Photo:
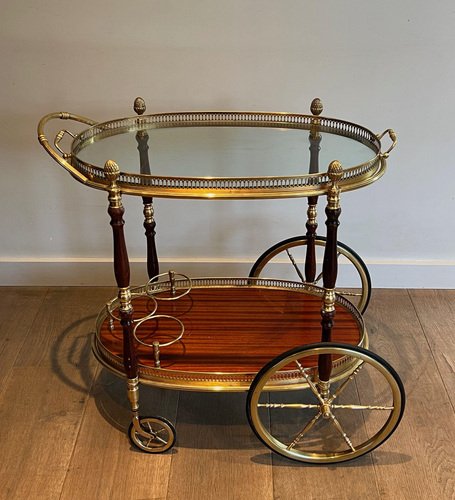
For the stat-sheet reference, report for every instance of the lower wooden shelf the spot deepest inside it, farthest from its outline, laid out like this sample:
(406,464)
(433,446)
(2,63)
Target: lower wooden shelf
(232,328)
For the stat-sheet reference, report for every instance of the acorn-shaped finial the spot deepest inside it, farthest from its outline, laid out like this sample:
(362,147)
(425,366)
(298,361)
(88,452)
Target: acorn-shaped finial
(139,106)
(316,106)
(111,170)
(335,171)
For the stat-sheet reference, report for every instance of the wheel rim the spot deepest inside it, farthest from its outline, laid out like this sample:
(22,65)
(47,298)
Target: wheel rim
(157,435)
(357,414)
(289,257)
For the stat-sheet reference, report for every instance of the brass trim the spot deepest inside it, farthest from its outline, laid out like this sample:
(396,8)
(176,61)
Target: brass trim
(149,213)
(312,215)
(133,393)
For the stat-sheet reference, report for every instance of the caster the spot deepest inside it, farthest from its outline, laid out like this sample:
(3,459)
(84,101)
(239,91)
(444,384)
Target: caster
(157,434)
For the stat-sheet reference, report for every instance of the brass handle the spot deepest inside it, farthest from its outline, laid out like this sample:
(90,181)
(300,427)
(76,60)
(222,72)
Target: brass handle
(56,152)
(57,140)
(393,138)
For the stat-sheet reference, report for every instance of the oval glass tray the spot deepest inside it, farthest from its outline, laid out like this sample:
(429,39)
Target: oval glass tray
(233,327)
(226,154)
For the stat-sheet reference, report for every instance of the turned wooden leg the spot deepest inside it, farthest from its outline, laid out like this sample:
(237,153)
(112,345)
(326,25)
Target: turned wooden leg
(311,227)
(122,276)
(142,139)
(330,266)
(153,268)
(311,224)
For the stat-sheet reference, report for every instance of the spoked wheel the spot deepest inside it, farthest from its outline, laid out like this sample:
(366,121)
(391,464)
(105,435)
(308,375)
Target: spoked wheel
(290,256)
(356,412)
(157,435)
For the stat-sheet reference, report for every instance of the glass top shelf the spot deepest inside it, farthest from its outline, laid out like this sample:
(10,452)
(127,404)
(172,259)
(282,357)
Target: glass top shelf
(208,154)
(221,151)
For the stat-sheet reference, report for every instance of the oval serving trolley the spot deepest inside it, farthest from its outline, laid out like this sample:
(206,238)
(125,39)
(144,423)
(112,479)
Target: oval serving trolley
(286,333)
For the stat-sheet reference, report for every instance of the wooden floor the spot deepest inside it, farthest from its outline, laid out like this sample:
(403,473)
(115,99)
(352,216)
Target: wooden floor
(63,418)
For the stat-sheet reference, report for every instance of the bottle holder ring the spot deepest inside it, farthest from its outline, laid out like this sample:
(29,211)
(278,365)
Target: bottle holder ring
(155,343)
(113,304)
(155,287)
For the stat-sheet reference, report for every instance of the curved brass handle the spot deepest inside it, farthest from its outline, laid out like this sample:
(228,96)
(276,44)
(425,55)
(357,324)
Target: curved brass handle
(56,152)
(57,140)
(393,138)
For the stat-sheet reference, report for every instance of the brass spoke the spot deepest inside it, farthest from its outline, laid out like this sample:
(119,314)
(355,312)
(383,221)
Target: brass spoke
(300,406)
(154,437)
(313,387)
(345,383)
(307,427)
(154,434)
(349,294)
(341,431)
(158,438)
(362,407)
(318,278)
(294,263)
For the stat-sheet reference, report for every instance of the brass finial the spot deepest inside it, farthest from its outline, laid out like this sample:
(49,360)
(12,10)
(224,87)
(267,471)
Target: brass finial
(316,106)
(111,171)
(335,171)
(139,106)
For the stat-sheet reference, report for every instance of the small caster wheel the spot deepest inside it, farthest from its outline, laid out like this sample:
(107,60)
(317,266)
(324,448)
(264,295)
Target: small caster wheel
(157,435)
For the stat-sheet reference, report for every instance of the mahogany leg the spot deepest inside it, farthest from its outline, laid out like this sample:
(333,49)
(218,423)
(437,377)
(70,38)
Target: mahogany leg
(311,227)
(142,139)
(122,276)
(149,220)
(330,271)
(311,224)
(149,226)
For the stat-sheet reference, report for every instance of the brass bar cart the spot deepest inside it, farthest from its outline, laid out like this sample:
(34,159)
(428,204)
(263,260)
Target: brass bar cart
(297,343)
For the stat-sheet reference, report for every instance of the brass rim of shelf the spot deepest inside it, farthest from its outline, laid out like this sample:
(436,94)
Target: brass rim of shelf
(224,381)
(353,177)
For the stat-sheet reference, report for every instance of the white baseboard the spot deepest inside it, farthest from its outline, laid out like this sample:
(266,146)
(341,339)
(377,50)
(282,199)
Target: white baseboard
(412,274)
(99,272)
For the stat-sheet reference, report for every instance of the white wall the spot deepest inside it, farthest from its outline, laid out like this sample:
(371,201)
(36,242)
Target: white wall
(380,64)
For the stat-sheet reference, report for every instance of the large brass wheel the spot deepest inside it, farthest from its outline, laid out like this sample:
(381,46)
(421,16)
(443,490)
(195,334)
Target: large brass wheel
(327,423)
(285,260)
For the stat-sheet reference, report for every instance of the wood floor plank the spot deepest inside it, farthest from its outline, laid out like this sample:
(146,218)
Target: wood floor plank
(44,398)
(436,312)
(419,459)
(217,454)
(60,325)
(40,417)
(345,481)
(18,308)
(104,464)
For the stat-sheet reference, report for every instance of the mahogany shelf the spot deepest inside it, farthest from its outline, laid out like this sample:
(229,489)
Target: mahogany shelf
(233,327)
